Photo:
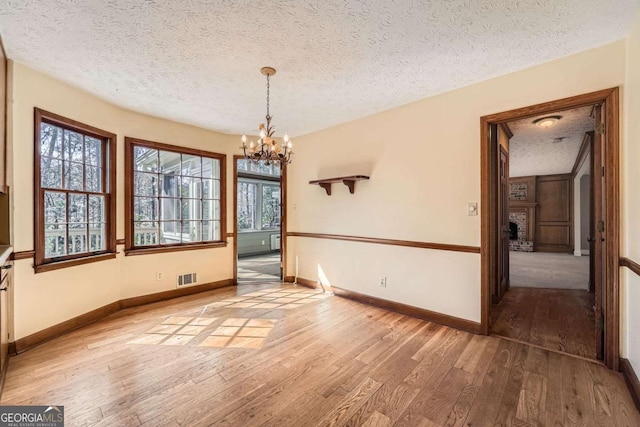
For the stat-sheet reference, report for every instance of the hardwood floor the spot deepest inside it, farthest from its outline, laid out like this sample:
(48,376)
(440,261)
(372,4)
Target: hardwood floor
(330,361)
(557,319)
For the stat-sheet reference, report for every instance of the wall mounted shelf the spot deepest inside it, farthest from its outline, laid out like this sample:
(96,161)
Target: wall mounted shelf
(349,181)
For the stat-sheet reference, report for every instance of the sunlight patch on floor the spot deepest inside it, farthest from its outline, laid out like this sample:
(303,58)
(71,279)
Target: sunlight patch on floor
(273,298)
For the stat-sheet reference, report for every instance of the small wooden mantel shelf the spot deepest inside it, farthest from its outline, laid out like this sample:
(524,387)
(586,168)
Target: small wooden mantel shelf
(349,181)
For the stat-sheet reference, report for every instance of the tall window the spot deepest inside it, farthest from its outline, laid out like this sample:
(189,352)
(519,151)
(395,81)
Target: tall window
(74,183)
(175,197)
(258,197)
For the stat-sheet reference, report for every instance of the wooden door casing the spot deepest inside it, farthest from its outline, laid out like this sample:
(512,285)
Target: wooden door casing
(596,238)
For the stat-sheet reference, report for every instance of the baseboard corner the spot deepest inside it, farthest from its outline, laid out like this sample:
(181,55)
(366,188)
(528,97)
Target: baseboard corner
(631,378)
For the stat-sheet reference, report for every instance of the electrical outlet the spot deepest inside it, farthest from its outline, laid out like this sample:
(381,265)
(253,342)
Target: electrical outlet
(383,282)
(158,275)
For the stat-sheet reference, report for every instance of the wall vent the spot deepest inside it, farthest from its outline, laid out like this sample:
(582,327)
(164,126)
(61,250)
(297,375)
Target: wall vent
(187,279)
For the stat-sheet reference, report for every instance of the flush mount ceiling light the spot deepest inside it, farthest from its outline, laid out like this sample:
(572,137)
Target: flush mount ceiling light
(548,121)
(267,148)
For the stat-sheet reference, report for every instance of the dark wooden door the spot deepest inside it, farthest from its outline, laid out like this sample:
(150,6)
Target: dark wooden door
(503,223)
(596,238)
(554,216)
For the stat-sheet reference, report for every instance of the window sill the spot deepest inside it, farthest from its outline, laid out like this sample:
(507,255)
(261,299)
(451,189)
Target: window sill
(56,265)
(174,248)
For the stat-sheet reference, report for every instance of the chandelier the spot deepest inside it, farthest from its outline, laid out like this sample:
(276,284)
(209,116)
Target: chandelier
(267,148)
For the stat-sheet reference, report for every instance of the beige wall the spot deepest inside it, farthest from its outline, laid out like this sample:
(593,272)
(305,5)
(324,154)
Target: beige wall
(630,291)
(424,163)
(45,299)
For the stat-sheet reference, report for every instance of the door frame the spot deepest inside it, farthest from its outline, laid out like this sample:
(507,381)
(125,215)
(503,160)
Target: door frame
(283,224)
(610,100)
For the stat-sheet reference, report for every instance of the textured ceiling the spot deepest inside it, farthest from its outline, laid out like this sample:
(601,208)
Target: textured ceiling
(198,61)
(532,152)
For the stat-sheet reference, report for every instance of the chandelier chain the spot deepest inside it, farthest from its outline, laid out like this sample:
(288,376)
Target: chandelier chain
(268,95)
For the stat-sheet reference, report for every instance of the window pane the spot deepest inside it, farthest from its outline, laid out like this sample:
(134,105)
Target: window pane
(216,189)
(50,141)
(207,189)
(170,209)
(270,206)
(191,165)
(210,230)
(94,179)
(92,151)
(96,209)
(74,146)
(77,238)
(191,209)
(169,185)
(210,168)
(145,184)
(169,163)
(77,208)
(216,230)
(170,233)
(208,209)
(55,240)
(97,237)
(191,231)
(55,207)
(247,205)
(145,209)
(243,165)
(210,189)
(50,173)
(145,233)
(264,168)
(189,187)
(145,159)
(73,176)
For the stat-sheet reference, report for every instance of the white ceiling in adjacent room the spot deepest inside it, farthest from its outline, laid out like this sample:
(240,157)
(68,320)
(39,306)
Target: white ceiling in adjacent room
(532,150)
(198,61)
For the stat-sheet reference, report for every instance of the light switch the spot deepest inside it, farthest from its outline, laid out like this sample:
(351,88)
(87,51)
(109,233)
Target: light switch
(472,209)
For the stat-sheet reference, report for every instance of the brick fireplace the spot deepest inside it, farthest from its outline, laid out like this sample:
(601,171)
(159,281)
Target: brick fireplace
(520,243)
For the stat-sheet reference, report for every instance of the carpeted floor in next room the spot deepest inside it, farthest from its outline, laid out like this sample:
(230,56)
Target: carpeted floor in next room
(548,270)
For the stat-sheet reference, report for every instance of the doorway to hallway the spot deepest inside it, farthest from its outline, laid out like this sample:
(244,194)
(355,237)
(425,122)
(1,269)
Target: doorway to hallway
(543,259)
